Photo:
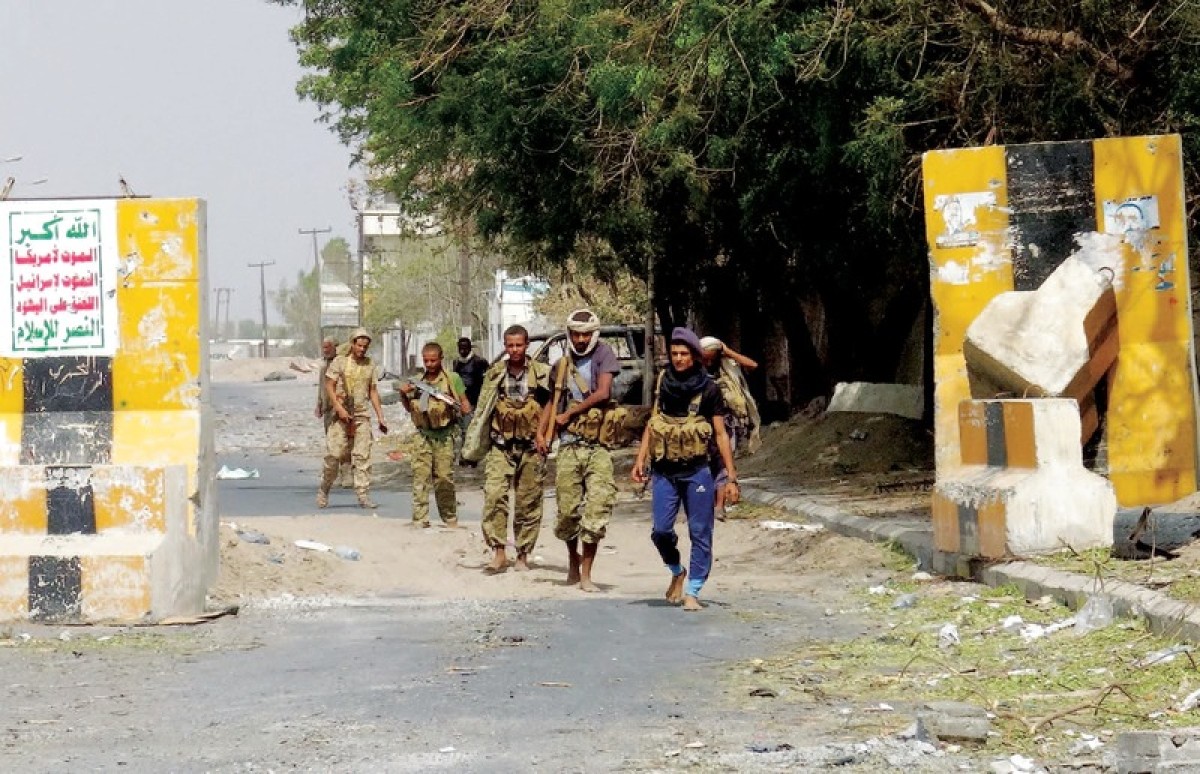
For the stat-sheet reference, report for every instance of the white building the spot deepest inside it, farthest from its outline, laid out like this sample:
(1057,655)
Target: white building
(510,302)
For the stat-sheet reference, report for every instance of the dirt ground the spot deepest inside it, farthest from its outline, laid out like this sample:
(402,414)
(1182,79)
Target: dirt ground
(441,563)
(448,564)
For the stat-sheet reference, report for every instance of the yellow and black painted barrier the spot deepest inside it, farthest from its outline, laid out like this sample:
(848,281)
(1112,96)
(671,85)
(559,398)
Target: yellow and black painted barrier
(1022,488)
(107,497)
(1002,218)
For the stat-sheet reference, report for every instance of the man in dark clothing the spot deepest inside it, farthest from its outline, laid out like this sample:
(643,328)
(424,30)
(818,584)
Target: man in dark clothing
(471,369)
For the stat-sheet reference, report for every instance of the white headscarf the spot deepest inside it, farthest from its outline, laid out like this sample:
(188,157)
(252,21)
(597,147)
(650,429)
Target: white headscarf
(583,321)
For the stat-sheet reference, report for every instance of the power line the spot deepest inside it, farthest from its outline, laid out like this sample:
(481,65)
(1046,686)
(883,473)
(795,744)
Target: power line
(262,282)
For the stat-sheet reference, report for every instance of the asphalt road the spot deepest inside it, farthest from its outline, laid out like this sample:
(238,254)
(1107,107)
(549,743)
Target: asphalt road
(410,684)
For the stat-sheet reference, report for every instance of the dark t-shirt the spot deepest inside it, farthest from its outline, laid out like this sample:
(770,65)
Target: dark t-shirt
(603,361)
(711,404)
(472,372)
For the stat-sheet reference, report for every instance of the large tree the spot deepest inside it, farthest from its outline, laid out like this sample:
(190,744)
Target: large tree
(761,156)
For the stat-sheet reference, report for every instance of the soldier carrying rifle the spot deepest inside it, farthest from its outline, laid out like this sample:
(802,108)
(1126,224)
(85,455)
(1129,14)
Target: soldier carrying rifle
(350,385)
(435,399)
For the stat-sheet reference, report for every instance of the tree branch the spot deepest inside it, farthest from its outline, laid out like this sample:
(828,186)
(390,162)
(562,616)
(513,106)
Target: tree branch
(1068,40)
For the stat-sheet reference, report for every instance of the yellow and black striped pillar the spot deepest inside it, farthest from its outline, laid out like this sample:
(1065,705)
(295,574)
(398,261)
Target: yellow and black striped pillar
(89,445)
(1003,218)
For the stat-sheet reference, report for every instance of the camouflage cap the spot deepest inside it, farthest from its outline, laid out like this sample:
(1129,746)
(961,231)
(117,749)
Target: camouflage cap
(360,333)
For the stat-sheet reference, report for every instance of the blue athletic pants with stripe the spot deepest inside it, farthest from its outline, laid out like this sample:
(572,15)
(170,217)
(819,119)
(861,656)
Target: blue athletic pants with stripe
(694,491)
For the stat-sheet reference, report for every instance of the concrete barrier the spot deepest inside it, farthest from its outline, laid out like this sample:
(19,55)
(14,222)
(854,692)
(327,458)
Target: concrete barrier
(107,494)
(903,400)
(1002,218)
(1022,488)
(1056,341)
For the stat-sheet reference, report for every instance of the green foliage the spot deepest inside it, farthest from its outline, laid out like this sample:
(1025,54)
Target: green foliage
(753,150)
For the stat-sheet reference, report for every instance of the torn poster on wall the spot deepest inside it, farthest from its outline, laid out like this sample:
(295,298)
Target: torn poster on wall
(960,217)
(60,269)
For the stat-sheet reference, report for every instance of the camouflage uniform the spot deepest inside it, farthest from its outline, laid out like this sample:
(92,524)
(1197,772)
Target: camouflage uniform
(433,458)
(328,417)
(353,382)
(513,462)
(584,484)
(585,490)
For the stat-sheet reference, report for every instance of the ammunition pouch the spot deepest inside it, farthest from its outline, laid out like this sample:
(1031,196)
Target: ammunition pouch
(677,439)
(516,421)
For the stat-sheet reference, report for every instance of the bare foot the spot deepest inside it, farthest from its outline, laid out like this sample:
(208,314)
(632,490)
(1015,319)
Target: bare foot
(573,562)
(498,564)
(585,584)
(675,590)
(691,604)
(522,563)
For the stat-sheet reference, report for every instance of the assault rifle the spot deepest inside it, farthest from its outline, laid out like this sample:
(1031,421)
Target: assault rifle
(433,393)
(351,424)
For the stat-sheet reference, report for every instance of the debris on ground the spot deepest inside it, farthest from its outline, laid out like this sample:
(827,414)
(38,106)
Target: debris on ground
(790,525)
(253,536)
(988,686)
(226,473)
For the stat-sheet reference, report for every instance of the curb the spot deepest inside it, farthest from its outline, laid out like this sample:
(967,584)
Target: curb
(1163,615)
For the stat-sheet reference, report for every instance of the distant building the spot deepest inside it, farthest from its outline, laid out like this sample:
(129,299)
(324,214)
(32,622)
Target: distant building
(510,302)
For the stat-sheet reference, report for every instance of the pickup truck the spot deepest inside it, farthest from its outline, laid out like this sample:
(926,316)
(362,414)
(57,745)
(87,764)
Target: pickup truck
(627,341)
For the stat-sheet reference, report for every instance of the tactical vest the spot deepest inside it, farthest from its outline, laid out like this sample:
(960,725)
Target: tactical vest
(604,424)
(354,388)
(435,414)
(731,393)
(517,420)
(678,439)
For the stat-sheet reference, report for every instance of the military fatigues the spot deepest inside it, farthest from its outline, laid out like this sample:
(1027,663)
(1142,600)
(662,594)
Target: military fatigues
(433,457)
(352,384)
(513,462)
(583,479)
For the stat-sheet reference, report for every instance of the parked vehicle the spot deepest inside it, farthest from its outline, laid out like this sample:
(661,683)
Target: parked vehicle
(627,341)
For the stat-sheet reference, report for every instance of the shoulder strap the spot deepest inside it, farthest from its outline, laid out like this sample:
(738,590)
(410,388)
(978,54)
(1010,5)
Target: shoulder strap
(694,405)
(654,409)
(449,383)
(584,390)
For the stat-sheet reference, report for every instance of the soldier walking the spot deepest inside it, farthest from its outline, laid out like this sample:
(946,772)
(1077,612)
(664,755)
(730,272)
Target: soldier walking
(517,458)
(324,410)
(687,415)
(582,389)
(350,384)
(435,399)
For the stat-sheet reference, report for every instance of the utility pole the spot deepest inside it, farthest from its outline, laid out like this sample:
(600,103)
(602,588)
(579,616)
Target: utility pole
(223,295)
(316,254)
(262,284)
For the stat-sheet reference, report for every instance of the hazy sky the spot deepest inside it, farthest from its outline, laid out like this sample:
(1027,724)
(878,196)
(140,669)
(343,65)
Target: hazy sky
(183,98)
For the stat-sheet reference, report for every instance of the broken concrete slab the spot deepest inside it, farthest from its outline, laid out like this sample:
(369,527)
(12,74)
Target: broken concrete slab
(904,400)
(1139,752)
(1056,341)
(954,721)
